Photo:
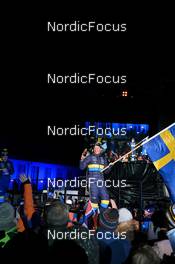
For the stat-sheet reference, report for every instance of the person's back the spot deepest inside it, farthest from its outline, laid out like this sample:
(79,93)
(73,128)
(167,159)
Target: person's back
(26,242)
(67,251)
(113,249)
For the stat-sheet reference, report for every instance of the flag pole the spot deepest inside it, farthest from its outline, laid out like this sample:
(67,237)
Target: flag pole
(141,143)
(122,157)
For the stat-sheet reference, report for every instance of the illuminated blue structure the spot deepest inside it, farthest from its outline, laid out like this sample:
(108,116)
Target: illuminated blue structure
(129,128)
(39,172)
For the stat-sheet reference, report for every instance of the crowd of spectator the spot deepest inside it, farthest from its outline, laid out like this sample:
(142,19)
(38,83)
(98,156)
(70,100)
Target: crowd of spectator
(55,231)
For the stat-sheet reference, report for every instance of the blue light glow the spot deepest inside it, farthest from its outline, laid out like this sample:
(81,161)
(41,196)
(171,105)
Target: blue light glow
(130,127)
(39,172)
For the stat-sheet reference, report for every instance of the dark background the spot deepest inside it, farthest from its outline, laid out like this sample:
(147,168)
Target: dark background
(28,105)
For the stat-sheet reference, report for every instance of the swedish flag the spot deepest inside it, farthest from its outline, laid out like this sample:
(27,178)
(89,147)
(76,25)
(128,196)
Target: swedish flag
(161,150)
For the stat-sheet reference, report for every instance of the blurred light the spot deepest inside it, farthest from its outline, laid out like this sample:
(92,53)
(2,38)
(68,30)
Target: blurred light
(125,93)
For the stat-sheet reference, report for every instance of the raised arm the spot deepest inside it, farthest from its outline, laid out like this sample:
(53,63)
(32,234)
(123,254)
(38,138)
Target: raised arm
(85,160)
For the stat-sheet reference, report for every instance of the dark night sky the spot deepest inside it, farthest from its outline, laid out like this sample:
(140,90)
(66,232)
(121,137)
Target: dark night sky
(144,54)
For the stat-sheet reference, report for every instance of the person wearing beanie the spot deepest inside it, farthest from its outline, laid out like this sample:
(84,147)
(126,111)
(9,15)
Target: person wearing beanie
(112,245)
(57,214)
(57,219)
(19,233)
(7,223)
(124,215)
(127,224)
(108,219)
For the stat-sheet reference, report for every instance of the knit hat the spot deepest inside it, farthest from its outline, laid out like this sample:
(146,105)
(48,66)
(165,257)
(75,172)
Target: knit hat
(124,215)
(57,214)
(7,216)
(108,219)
